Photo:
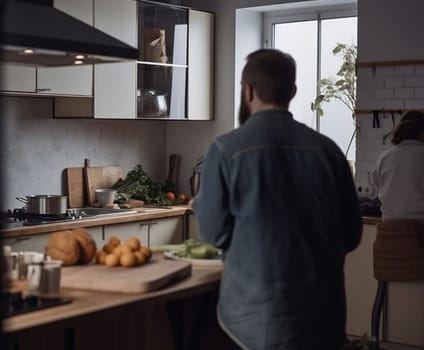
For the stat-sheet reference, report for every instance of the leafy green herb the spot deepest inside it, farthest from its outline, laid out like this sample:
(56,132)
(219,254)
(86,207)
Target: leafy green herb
(138,185)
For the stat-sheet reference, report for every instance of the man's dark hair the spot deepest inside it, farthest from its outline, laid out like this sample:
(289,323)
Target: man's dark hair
(272,74)
(410,127)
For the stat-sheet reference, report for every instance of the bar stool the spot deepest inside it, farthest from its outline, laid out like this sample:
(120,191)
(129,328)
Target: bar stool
(398,256)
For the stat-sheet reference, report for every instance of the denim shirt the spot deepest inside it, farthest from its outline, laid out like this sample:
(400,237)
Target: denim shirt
(279,199)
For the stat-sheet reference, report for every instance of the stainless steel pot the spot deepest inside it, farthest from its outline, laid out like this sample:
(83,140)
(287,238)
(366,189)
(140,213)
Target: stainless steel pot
(45,204)
(151,104)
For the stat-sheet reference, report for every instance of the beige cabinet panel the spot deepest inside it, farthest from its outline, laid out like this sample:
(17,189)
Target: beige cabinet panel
(126,230)
(360,284)
(200,65)
(405,313)
(165,230)
(16,78)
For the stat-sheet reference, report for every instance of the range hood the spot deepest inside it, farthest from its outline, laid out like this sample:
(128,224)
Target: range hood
(35,33)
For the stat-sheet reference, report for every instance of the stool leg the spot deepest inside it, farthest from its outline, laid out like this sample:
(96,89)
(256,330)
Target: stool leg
(376,311)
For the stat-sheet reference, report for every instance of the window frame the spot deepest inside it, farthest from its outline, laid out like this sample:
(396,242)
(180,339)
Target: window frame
(308,13)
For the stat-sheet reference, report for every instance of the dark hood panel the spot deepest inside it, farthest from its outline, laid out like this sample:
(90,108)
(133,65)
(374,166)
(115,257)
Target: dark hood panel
(27,24)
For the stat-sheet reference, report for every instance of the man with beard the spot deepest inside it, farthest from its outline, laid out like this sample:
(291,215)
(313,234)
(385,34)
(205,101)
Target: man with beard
(280,201)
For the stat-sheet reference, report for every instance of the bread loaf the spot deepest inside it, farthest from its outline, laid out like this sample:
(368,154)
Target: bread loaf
(63,245)
(87,245)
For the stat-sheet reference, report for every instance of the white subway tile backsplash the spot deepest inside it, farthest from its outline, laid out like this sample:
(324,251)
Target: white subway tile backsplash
(384,71)
(361,154)
(404,93)
(365,94)
(369,104)
(363,72)
(383,94)
(404,70)
(394,104)
(417,81)
(394,82)
(370,83)
(414,104)
(419,92)
(387,89)
(365,144)
(419,69)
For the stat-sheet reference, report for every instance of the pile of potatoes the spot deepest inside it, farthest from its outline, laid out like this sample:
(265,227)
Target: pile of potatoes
(127,253)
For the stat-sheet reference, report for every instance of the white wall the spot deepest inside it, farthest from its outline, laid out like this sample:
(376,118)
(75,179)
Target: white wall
(37,148)
(390,30)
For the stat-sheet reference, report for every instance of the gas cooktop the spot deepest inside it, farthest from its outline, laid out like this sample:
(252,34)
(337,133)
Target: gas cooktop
(16,303)
(19,217)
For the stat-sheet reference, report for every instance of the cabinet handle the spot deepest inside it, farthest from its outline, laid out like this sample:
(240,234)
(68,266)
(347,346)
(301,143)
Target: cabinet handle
(43,89)
(144,224)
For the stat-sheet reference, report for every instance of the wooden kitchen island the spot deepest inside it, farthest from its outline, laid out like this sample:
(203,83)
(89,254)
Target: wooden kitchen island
(181,315)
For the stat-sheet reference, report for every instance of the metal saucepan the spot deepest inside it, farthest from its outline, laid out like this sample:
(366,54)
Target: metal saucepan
(45,204)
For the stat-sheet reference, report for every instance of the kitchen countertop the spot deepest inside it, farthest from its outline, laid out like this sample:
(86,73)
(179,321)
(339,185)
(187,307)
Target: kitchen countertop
(371,220)
(142,214)
(201,280)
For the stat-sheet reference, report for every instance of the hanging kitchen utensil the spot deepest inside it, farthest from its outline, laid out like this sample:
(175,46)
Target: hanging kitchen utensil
(375,119)
(173,170)
(195,177)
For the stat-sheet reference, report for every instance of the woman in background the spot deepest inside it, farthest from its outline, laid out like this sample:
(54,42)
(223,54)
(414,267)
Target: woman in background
(399,245)
(399,172)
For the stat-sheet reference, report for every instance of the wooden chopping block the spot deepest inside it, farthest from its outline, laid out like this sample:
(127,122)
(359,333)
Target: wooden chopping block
(154,275)
(75,186)
(100,177)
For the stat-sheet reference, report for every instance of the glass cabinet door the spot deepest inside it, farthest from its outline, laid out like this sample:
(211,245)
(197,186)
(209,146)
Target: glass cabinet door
(162,66)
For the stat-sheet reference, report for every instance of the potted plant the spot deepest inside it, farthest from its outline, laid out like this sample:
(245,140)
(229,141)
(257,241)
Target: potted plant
(342,88)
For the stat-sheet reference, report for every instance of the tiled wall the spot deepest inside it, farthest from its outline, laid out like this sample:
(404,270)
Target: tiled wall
(388,89)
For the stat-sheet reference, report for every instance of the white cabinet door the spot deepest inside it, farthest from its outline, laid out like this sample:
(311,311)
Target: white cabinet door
(200,65)
(16,78)
(73,80)
(115,84)
(115,90)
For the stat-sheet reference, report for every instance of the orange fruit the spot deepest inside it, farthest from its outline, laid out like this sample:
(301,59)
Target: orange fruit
(170,196)
(111,260)
(134,243)
(128,260)
(182,197)
(146,252)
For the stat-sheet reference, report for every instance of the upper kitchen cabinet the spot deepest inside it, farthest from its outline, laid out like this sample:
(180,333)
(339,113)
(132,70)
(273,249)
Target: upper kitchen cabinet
(175,67)
(115,83)
(74,80)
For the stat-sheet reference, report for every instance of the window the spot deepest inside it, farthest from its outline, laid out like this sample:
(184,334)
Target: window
(310,38)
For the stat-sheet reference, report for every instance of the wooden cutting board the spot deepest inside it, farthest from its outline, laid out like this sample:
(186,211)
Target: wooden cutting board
(75,187)
(100,177)
(154,275)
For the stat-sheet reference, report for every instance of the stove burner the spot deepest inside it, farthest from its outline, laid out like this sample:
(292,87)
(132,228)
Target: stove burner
(17,303)
(30,219)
